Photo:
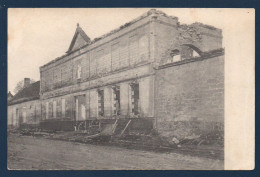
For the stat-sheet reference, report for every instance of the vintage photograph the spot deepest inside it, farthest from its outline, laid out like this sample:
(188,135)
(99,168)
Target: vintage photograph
(115,89)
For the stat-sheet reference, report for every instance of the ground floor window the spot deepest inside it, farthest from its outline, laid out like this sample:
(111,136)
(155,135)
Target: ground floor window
(100,102)
(135,98)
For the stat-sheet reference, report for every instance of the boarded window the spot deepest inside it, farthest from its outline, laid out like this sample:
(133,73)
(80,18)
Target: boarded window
(143,48)
(133,50)
(93,67)
(123,62)
(115,56)
(103,61)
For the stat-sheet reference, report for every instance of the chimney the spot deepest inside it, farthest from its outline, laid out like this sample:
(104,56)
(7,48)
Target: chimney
(27,82)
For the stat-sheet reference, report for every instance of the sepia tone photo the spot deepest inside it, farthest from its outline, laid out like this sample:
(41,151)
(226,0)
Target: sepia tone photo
(116,89)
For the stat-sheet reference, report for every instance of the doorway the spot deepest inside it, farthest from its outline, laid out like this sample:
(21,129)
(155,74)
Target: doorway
(80,107)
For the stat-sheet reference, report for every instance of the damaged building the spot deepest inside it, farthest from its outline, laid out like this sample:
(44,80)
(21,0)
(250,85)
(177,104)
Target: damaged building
(24,108)
(152,70)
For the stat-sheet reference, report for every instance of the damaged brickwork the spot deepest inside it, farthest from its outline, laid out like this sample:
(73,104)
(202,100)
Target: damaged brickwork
(190,97)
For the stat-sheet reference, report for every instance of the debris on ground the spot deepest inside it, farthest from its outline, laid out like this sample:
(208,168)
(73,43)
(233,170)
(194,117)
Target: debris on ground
(192,144)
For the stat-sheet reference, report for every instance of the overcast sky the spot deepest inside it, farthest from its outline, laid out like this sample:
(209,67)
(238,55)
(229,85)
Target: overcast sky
(37,36)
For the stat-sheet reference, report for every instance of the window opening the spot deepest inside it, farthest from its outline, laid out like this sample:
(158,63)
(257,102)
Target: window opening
(175,54)
(135,98)
(116,99)
(101,102)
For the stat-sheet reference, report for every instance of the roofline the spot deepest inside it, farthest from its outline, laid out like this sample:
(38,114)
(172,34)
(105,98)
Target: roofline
(23,101)
(146,14)
(13,98)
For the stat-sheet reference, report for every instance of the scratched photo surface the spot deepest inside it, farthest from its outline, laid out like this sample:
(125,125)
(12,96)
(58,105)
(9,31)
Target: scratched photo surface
(130,89)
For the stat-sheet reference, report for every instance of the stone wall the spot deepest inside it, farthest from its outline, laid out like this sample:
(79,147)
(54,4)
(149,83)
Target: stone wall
(24,113)
(190,93)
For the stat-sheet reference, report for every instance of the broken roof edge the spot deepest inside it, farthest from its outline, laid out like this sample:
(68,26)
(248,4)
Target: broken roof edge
(199,24)
(144,15)
(205,55)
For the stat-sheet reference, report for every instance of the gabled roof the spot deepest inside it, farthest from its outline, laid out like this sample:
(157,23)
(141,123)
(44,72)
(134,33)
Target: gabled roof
(32,92)
(9,95)
(79,32)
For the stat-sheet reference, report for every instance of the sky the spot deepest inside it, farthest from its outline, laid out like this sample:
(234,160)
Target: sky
(39,35)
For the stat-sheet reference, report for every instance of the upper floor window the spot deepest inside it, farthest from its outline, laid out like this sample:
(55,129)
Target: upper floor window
(79,72)
(175,56)
(186,51)
(195,54)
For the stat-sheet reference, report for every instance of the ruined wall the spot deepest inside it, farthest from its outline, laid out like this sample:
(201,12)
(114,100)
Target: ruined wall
(211,37)
(166,38)
(190,97)
(170,35)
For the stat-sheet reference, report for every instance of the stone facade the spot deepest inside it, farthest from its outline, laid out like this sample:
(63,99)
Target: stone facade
(152,67)
(24,113)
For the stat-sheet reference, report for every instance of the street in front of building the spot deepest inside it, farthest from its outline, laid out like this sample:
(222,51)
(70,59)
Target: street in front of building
(32,153)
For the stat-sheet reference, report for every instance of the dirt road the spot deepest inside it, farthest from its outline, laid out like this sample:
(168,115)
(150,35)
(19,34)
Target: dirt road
(30,153)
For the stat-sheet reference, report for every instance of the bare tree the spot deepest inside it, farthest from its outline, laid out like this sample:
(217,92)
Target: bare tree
(20,85)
